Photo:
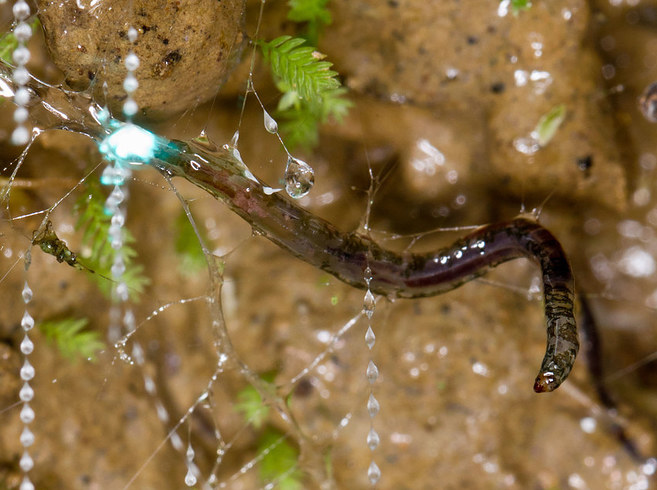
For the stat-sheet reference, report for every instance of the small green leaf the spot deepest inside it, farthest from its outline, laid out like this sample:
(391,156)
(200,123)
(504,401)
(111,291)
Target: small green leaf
(290,100)
(548,124)
(187,246)
(518,6)
(309,11)
(71,338)
(300,67)
(314,13)
(312,94)
(98,254)
(280,461)
(250,403)
(8,42)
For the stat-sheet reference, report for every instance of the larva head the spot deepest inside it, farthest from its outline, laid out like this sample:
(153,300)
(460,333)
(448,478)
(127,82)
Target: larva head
(545,382)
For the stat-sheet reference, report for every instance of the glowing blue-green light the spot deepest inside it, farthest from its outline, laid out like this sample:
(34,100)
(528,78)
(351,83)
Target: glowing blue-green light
(129,145)
(115,175)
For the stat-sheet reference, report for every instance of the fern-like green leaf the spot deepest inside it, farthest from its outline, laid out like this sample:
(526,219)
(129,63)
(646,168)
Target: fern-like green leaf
(311,92)
(72,339)
(98,254)
(314,11)
(300,119)
(299,127)
(299,67)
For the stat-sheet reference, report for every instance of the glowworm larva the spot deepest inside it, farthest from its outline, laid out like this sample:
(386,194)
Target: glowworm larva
(408,275)
(346,255)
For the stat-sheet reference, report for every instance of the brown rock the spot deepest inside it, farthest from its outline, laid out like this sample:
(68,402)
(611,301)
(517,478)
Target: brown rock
(185,53)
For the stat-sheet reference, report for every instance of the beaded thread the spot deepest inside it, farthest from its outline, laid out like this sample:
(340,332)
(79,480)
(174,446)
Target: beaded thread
(26,393)
(21,55)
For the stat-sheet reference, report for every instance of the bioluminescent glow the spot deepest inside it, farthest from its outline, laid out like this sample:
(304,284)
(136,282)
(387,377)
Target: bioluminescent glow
(129,145)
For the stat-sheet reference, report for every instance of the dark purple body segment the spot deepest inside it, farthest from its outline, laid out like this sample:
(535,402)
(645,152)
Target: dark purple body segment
(400,275)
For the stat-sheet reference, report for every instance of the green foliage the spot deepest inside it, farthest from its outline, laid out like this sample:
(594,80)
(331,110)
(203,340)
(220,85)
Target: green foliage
(187,247)
(99,255)
(250,406)
(313,12)
(279,458)
(300,120)
(71,338)
(8,42)
(250,403)
(279,462)
(548,124)
(300,68)
(311,91)
(518,6)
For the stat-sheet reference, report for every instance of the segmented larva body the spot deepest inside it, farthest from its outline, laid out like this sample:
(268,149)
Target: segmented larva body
(407,275)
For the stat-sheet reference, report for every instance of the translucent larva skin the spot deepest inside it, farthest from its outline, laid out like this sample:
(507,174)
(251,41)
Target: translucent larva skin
(408,275)
(346,255)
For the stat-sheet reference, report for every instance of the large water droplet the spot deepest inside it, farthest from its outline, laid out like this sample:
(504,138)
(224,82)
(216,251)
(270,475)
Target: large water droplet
(114,175)
(27,371)
(372,372)
(369,303)
(367,275)
(190,478)
(27,346)
(118,268)
(118,194)
(26,463)
(370,338)
(527,146)
(27,437)
(27,393)
(176,441)
(20,136)
(130,326)
(132,34)
(26,484)
(372,406)
(122,291)
(27,322)
(27,293)
(270,123)
(373,439)
(27,414)
(163,415)
(118,219)
(299,178)
(373,473)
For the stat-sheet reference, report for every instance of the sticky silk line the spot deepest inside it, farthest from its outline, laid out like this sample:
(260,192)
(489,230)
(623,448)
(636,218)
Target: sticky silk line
(224,175)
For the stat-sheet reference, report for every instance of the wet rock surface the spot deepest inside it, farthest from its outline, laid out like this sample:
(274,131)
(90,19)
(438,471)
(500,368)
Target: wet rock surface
(186,50)
(508,71)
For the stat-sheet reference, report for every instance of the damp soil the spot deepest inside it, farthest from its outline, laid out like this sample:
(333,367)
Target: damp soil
(442,92)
